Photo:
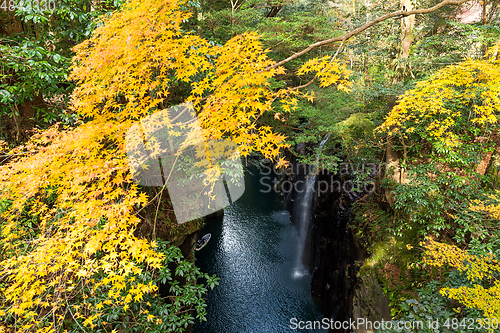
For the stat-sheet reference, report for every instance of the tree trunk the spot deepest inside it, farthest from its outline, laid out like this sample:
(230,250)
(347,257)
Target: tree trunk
(9,24)
(392,169)
(23,115)
(274,11)
(407,25)
(485,17)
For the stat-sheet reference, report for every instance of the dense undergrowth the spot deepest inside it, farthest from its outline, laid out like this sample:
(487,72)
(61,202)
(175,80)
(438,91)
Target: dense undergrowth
(83,247)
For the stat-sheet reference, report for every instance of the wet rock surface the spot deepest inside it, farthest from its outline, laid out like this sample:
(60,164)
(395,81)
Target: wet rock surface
(332,254)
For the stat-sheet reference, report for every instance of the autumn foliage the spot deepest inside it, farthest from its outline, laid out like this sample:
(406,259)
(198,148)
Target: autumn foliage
(71,255)
(482,271)
(468,89)
(453,117)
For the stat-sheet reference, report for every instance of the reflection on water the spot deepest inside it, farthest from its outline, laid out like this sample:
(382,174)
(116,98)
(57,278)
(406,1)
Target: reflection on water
(253,251)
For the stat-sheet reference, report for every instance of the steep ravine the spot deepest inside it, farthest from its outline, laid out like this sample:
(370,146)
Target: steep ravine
(255,234)
(332,253)
(328,253)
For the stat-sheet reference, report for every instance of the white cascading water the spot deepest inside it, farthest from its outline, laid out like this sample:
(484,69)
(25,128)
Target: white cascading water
(303,206)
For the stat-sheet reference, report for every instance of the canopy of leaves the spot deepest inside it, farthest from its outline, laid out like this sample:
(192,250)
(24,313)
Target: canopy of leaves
(446,131)
(70,247)
(36,52)
(482,271)
(434,109)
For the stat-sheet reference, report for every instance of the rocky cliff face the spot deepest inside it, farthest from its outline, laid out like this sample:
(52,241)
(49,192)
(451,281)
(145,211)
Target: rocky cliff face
(338,256)
(334,274)
(369,302)
(334,256)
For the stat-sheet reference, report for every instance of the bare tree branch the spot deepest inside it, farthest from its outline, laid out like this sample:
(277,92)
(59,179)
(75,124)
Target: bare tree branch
(343,38)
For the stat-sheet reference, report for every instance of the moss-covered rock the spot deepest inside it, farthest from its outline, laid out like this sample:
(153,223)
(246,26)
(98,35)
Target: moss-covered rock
(357,126)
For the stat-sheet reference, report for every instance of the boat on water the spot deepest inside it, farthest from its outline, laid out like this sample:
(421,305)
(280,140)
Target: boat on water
(202,242)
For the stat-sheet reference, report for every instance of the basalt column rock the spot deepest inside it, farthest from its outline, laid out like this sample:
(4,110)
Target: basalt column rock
(334,275)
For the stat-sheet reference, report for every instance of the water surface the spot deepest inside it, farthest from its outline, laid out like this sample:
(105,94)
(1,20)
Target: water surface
(253,251)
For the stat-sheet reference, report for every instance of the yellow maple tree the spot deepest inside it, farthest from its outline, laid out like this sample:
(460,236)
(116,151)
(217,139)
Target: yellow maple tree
(458,99)
(433,107)
(482,271)
(70,248)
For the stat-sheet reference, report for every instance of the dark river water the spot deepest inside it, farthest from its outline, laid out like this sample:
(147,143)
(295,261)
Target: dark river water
(253,251)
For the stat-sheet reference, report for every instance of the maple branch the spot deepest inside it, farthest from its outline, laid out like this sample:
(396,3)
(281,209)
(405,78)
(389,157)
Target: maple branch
(401,13)
(76,321)
(161,194)
(7,156)
(314,78)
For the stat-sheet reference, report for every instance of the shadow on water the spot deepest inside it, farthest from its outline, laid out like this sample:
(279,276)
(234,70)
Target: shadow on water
(253,251)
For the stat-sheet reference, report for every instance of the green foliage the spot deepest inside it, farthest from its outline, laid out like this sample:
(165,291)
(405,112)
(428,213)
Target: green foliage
(152,313)
(311,121)
(442,41)
(445,132)
(433,200)
(4,205)
(30,69)
(443,127)
(358,125)
(430,305)
(36,60)
(295,25)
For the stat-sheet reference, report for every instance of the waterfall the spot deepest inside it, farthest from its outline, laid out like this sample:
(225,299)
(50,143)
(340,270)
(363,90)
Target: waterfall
(302,214)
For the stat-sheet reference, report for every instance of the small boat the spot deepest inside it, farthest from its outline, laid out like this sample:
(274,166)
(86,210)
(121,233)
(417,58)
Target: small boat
(202,242)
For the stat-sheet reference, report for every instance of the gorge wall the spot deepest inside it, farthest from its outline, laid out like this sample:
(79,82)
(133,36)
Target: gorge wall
(333,253)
